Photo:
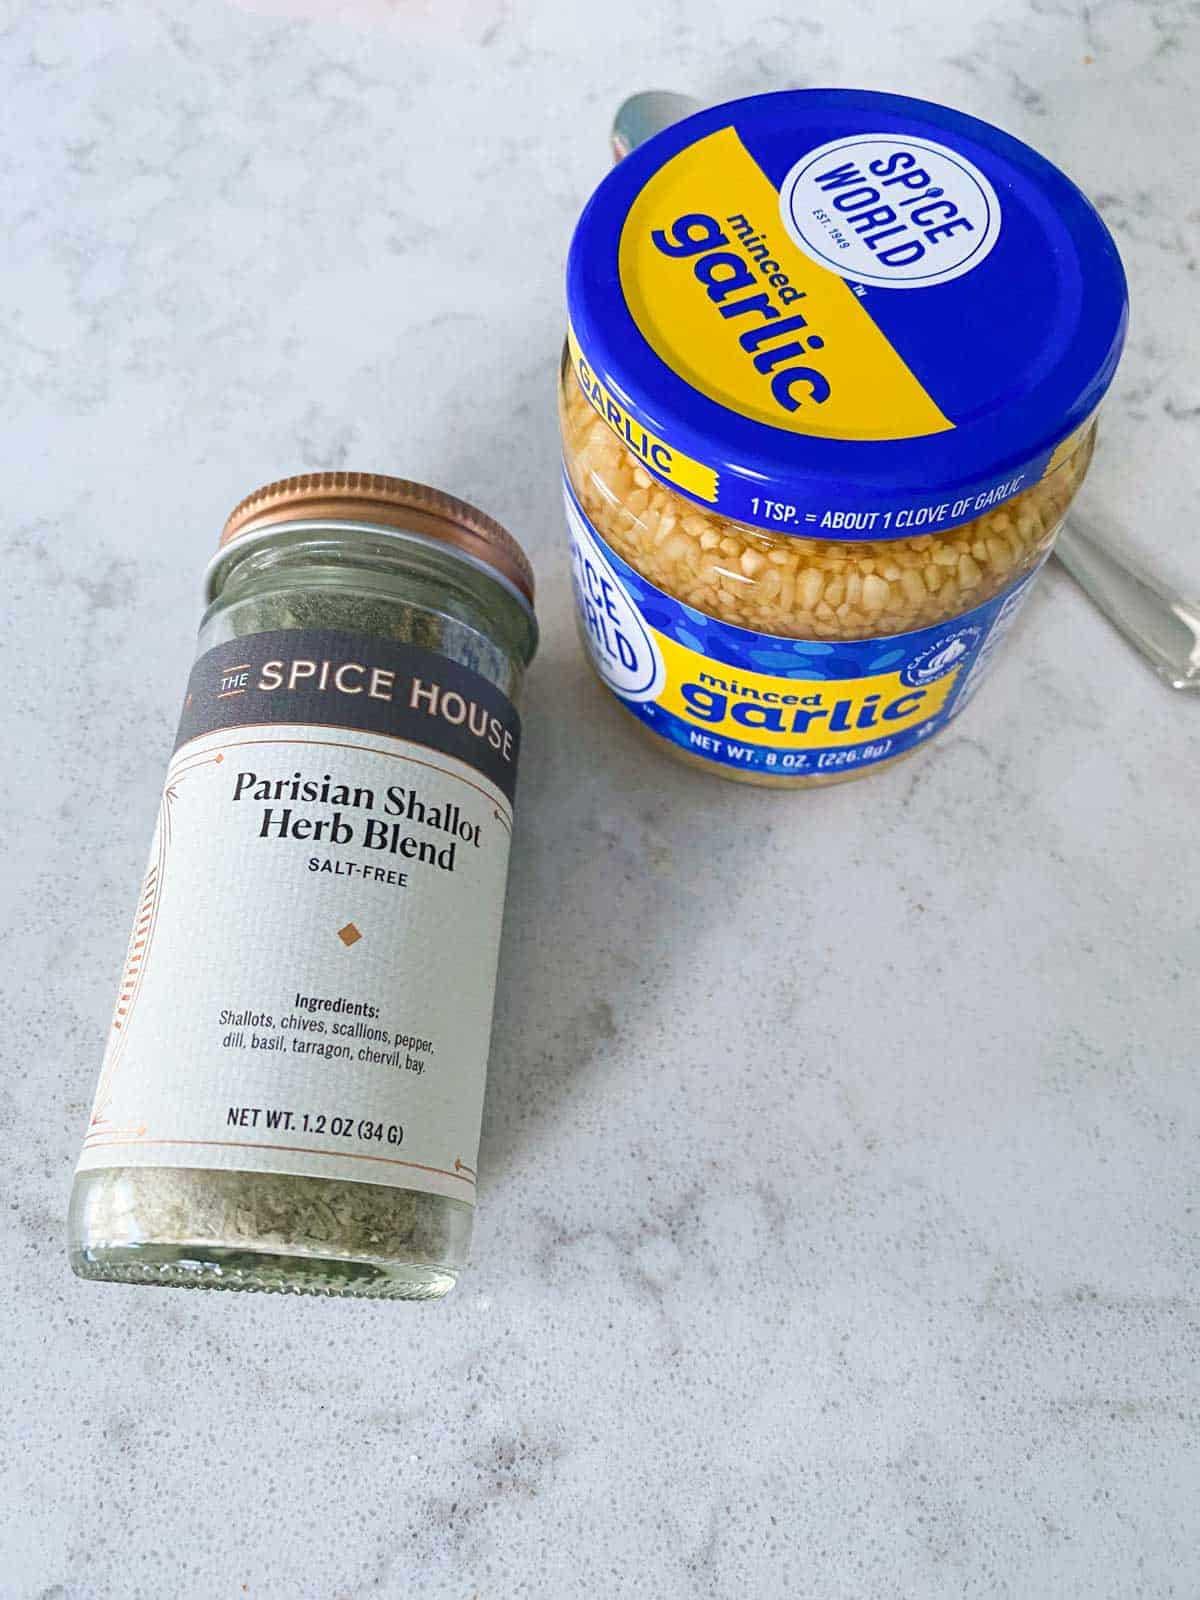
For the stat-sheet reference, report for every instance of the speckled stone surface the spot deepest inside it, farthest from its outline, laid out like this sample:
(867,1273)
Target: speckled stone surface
(838,1216)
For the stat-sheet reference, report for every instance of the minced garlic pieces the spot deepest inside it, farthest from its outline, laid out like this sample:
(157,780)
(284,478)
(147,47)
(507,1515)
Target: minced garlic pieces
(799,587)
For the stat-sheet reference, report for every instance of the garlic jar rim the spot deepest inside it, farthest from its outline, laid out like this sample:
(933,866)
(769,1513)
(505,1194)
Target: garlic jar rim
(839,313)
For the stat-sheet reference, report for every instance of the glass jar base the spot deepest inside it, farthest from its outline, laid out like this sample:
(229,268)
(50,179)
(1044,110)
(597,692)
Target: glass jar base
(205,1266)
(759,780)
(265,1232)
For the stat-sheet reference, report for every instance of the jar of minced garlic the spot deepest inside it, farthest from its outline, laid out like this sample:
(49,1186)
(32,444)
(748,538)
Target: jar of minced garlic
(829,387)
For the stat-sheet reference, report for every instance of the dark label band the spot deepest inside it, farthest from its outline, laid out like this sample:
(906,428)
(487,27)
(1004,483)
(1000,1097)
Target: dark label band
(353,680)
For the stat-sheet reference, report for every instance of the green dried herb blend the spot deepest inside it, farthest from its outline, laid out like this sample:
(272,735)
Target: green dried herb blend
(247,1218)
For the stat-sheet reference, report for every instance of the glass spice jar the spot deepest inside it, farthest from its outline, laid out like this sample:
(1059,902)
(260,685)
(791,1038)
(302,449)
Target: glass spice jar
(291,1094)
(829,388)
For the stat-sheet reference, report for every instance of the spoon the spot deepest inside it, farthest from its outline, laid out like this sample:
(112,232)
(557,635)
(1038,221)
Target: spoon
(1157,621)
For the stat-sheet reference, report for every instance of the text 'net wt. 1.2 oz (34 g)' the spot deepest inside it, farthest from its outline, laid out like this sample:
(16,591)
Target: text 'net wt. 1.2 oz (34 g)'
(291,1093)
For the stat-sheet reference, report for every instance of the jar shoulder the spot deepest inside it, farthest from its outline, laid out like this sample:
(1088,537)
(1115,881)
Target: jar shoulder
(826,589)
(449,625)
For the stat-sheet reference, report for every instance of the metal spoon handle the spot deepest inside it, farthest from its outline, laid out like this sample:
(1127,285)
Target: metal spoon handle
(643,115)
(1160,623)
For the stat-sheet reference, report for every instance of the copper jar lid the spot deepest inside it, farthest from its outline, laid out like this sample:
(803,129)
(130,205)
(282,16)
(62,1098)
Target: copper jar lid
(370,497)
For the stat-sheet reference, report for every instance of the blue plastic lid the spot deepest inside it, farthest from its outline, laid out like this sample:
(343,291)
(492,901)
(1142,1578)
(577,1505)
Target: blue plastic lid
(843,314)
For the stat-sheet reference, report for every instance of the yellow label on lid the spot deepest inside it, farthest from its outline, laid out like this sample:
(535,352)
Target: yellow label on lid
(724,297)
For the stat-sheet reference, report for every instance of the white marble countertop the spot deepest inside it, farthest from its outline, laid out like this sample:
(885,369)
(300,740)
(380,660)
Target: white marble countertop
(838,1220)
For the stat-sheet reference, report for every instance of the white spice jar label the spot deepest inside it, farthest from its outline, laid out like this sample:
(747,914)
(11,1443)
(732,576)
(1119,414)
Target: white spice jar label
(310,977)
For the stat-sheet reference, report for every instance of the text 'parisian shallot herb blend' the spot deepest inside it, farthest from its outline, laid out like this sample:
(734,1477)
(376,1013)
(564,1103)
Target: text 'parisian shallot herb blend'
(291,1094)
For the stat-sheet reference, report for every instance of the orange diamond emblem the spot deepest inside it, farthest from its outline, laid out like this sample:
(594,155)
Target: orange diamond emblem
(349,935)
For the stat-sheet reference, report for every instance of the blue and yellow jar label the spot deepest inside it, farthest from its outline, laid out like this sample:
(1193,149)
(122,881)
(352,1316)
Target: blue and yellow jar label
(770,704)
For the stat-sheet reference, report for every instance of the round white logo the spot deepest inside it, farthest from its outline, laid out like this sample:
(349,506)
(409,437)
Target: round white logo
(941,657)
(890,210)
